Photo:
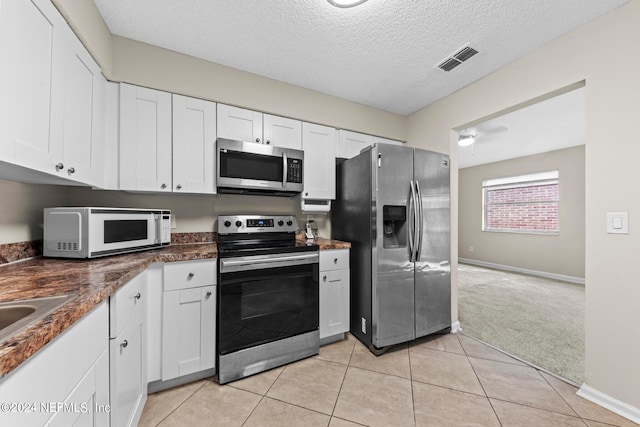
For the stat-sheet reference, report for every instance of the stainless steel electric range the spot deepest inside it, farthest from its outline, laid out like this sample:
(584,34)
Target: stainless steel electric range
(267,295)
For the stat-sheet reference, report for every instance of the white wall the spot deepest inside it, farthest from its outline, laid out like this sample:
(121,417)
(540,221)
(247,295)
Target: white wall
(597,53)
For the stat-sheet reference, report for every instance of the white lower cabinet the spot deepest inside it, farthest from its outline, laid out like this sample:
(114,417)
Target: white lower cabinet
(334,292)
(188,318)
(66,383)
(127,352)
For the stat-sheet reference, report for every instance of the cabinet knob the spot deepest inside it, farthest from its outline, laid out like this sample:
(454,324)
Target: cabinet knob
(59,166)
(208,294)
(257,139)
(190,276)
(324,278)
(268,142)
(124,344)
(137,296)
(163,186)
(335,260)
(179,186)
(71,170)
(306,193)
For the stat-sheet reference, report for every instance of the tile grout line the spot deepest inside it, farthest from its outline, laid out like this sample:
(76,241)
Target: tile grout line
(413,397)
(479,382)
(561,397)
(261,398)
(183,402)
(343,378)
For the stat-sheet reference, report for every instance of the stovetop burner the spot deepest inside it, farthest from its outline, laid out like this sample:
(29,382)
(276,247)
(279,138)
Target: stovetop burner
(246,235)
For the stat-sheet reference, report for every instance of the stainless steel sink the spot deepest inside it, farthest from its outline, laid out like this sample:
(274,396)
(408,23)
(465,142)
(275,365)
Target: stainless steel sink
(17,315)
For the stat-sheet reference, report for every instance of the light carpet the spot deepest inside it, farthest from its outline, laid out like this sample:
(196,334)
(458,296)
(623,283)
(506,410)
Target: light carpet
(537,319)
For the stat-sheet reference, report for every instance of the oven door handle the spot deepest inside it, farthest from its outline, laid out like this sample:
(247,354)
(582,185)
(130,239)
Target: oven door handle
(267,261)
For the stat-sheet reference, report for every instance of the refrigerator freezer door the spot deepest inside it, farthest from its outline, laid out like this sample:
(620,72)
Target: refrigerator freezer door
(432,268)
(392,294)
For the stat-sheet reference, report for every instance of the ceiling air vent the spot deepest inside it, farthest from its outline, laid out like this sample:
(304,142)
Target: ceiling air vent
(457,58)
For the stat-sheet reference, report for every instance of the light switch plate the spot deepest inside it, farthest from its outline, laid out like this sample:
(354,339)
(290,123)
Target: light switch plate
(617,223)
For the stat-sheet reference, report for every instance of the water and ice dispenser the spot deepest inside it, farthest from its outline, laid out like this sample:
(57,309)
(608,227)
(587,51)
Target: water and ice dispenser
(394,221)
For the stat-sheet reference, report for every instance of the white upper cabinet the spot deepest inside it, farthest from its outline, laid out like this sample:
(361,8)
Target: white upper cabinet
(52,93)
(351,143)
(319,144)
(239,124)
(252,126)
(194,139)
(145,139)
(282,132)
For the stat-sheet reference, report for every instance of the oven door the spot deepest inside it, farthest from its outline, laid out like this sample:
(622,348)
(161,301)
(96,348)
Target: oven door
(113,231)
(266,298)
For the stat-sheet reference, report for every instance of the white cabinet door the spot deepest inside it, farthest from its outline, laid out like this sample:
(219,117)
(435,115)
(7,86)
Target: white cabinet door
(239,124)
(194,139)
(31,83)
(81,128)
(319,144)
(351,143)
(128,376)
(188,331)
(334,302)
(145,139)
(282,132)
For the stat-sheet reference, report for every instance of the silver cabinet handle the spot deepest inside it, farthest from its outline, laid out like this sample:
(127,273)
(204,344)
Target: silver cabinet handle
(59,166)
(324,278)
(178,187)
(163,186)
(208,294)
(306,193)
(335,260)
(137,296)
(124,344)
(257,139)
(190,276)
(71,170)
(268,142)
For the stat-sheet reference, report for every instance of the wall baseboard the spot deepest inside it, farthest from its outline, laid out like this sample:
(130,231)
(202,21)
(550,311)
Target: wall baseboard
(572,279)
(455,327)
(614,405)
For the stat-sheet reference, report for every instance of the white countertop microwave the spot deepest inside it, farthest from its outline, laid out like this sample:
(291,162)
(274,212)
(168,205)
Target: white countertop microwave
(90,232)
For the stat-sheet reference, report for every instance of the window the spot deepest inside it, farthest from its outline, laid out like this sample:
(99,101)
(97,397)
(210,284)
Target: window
(522,204)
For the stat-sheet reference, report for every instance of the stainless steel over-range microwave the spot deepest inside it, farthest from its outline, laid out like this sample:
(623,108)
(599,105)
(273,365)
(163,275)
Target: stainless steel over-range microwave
(251,168)
(89,232)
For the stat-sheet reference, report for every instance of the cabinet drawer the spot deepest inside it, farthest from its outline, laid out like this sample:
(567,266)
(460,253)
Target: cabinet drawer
(190,274)
(126,303)
(334,259)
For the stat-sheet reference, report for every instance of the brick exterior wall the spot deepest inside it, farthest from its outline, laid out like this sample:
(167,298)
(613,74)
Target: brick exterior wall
(530,208)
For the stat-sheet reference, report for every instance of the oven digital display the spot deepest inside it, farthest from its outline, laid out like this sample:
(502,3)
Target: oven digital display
(260,222)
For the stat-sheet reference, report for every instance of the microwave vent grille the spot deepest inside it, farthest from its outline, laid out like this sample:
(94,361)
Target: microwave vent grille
(67,246)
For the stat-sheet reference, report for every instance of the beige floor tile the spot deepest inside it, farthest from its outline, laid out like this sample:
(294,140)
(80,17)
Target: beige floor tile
(512,415)
(375,399)
(583,407)
(448,342)
(394,362)
(160,405)
(518,384)
(475,348)
(274,413)
(215,405)
(311,383)
(444,369)
(339,351)
(597,424)
(339,422)
(438,406)
(258,383)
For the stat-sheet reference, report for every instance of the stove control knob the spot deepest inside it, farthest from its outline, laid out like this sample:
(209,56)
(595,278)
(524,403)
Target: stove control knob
(289,223)
(281,223)
(227,223)
(238,223)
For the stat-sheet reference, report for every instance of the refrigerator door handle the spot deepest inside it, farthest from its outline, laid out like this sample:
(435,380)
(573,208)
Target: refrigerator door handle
(420,222)
(412,221)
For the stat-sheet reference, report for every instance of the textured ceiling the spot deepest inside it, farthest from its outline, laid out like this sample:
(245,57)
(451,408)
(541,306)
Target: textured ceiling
(549,125)
(380,53)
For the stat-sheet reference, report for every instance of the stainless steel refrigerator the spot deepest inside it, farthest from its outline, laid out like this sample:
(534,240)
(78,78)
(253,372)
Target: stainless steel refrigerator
(392,204)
